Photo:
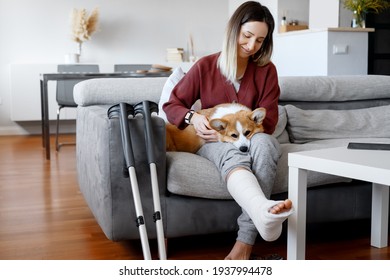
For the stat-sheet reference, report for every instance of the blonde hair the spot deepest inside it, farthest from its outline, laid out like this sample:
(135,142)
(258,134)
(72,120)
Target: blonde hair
(247,12)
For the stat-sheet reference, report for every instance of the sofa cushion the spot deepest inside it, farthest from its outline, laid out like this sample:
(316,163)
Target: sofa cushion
(309,125)
(186,172)
(314,178)
(192,175)
(280,132)
(171,82)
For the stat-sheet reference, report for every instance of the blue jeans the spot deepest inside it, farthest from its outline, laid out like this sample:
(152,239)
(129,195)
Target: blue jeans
(262,160)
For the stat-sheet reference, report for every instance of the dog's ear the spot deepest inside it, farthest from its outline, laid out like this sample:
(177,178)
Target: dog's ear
(218,124)
(258,115)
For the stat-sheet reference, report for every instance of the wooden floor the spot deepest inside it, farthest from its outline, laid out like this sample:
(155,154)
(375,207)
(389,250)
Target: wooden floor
(43,216)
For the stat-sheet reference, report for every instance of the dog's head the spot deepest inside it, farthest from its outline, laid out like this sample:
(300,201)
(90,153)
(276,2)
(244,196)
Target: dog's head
(238,128)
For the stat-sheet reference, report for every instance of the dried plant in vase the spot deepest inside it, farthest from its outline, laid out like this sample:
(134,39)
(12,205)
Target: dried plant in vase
(361,8)
(83,26)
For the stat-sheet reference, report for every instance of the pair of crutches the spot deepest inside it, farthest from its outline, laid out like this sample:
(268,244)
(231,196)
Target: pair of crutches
(124,111)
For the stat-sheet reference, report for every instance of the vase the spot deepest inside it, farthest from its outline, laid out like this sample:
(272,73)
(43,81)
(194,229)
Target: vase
(79,48)
(359,20)
(72,58)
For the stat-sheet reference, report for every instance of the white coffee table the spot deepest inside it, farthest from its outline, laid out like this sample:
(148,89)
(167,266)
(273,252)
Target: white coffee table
(367,165)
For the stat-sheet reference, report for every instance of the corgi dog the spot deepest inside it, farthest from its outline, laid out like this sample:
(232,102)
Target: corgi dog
(235,123)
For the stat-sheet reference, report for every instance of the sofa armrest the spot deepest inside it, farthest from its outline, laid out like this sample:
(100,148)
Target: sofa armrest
(107,91)
(100,164)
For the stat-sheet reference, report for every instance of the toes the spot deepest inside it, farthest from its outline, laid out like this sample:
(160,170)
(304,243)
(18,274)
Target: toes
(277,208)
(288,204)
(285,205)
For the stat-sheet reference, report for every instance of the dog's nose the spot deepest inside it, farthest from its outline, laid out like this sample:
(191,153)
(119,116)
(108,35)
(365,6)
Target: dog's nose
(244,149)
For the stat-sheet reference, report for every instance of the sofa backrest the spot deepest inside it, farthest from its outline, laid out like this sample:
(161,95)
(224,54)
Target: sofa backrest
(335,92)
(330,107)
(309,92)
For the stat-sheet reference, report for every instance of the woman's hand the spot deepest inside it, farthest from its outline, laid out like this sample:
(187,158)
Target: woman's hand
(202,128)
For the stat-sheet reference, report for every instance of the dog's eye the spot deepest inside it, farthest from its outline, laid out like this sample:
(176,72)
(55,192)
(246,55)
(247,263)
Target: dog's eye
(246,133)
(234,135)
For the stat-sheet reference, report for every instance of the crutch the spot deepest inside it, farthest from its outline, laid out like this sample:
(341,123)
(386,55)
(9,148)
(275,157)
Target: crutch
(147,108)
(123,113)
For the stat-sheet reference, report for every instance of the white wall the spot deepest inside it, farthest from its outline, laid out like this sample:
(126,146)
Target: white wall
(311,53)
(301,53)
(294,10)
(354,61)
(345,16)
(324,14)
(272,5)
(131,31)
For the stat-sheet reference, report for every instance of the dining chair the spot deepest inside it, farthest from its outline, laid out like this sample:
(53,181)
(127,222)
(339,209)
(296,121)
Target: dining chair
(132,67)
(64,92)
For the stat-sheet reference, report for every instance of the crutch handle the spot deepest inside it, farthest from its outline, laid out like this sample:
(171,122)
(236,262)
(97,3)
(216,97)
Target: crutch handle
(115,112)
(146,108)
(126,139)
(122,111)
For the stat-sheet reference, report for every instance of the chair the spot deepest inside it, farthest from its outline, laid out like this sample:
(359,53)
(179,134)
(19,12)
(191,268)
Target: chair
(64,93)
(131,67)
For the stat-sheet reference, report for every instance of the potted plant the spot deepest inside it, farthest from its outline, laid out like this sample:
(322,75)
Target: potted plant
(360,8)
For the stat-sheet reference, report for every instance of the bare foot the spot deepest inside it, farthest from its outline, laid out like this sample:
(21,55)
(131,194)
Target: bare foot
(240,251)
(281,207)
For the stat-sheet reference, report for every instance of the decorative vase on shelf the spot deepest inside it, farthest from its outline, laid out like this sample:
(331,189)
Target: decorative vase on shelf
(79,45)
(359,20)
(360,8)
(72,58)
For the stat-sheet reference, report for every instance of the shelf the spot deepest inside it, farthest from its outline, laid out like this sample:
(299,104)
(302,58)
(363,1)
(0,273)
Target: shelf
(288,28)
(350,29)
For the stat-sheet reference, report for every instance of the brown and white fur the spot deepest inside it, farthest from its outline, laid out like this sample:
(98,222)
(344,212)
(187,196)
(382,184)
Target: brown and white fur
(235,123)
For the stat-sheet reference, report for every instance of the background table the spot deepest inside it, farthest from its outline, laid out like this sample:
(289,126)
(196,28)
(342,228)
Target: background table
(45,78)
(365,165)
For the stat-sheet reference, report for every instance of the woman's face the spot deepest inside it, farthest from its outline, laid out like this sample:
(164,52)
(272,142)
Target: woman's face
(251,37)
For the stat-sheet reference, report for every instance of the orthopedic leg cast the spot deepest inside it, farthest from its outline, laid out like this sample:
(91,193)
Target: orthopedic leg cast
(245,189)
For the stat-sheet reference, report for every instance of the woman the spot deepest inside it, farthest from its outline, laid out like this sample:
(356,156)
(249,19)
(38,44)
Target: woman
(242,73)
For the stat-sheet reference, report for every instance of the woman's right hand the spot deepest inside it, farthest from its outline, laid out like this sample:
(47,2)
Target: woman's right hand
(202,128)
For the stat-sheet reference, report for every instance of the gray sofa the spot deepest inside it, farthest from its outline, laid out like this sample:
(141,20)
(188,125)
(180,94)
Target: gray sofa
(314,113)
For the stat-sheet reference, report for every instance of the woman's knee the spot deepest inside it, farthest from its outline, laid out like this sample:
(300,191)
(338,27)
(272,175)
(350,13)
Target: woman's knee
(225,156)
(265,144)
(264,148)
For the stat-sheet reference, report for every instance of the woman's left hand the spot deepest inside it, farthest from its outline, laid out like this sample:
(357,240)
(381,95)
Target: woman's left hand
(202,128)
(209,135)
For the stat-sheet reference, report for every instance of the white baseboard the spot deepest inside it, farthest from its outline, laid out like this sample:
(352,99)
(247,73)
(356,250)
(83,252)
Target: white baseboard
(12,130)
(34,128)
